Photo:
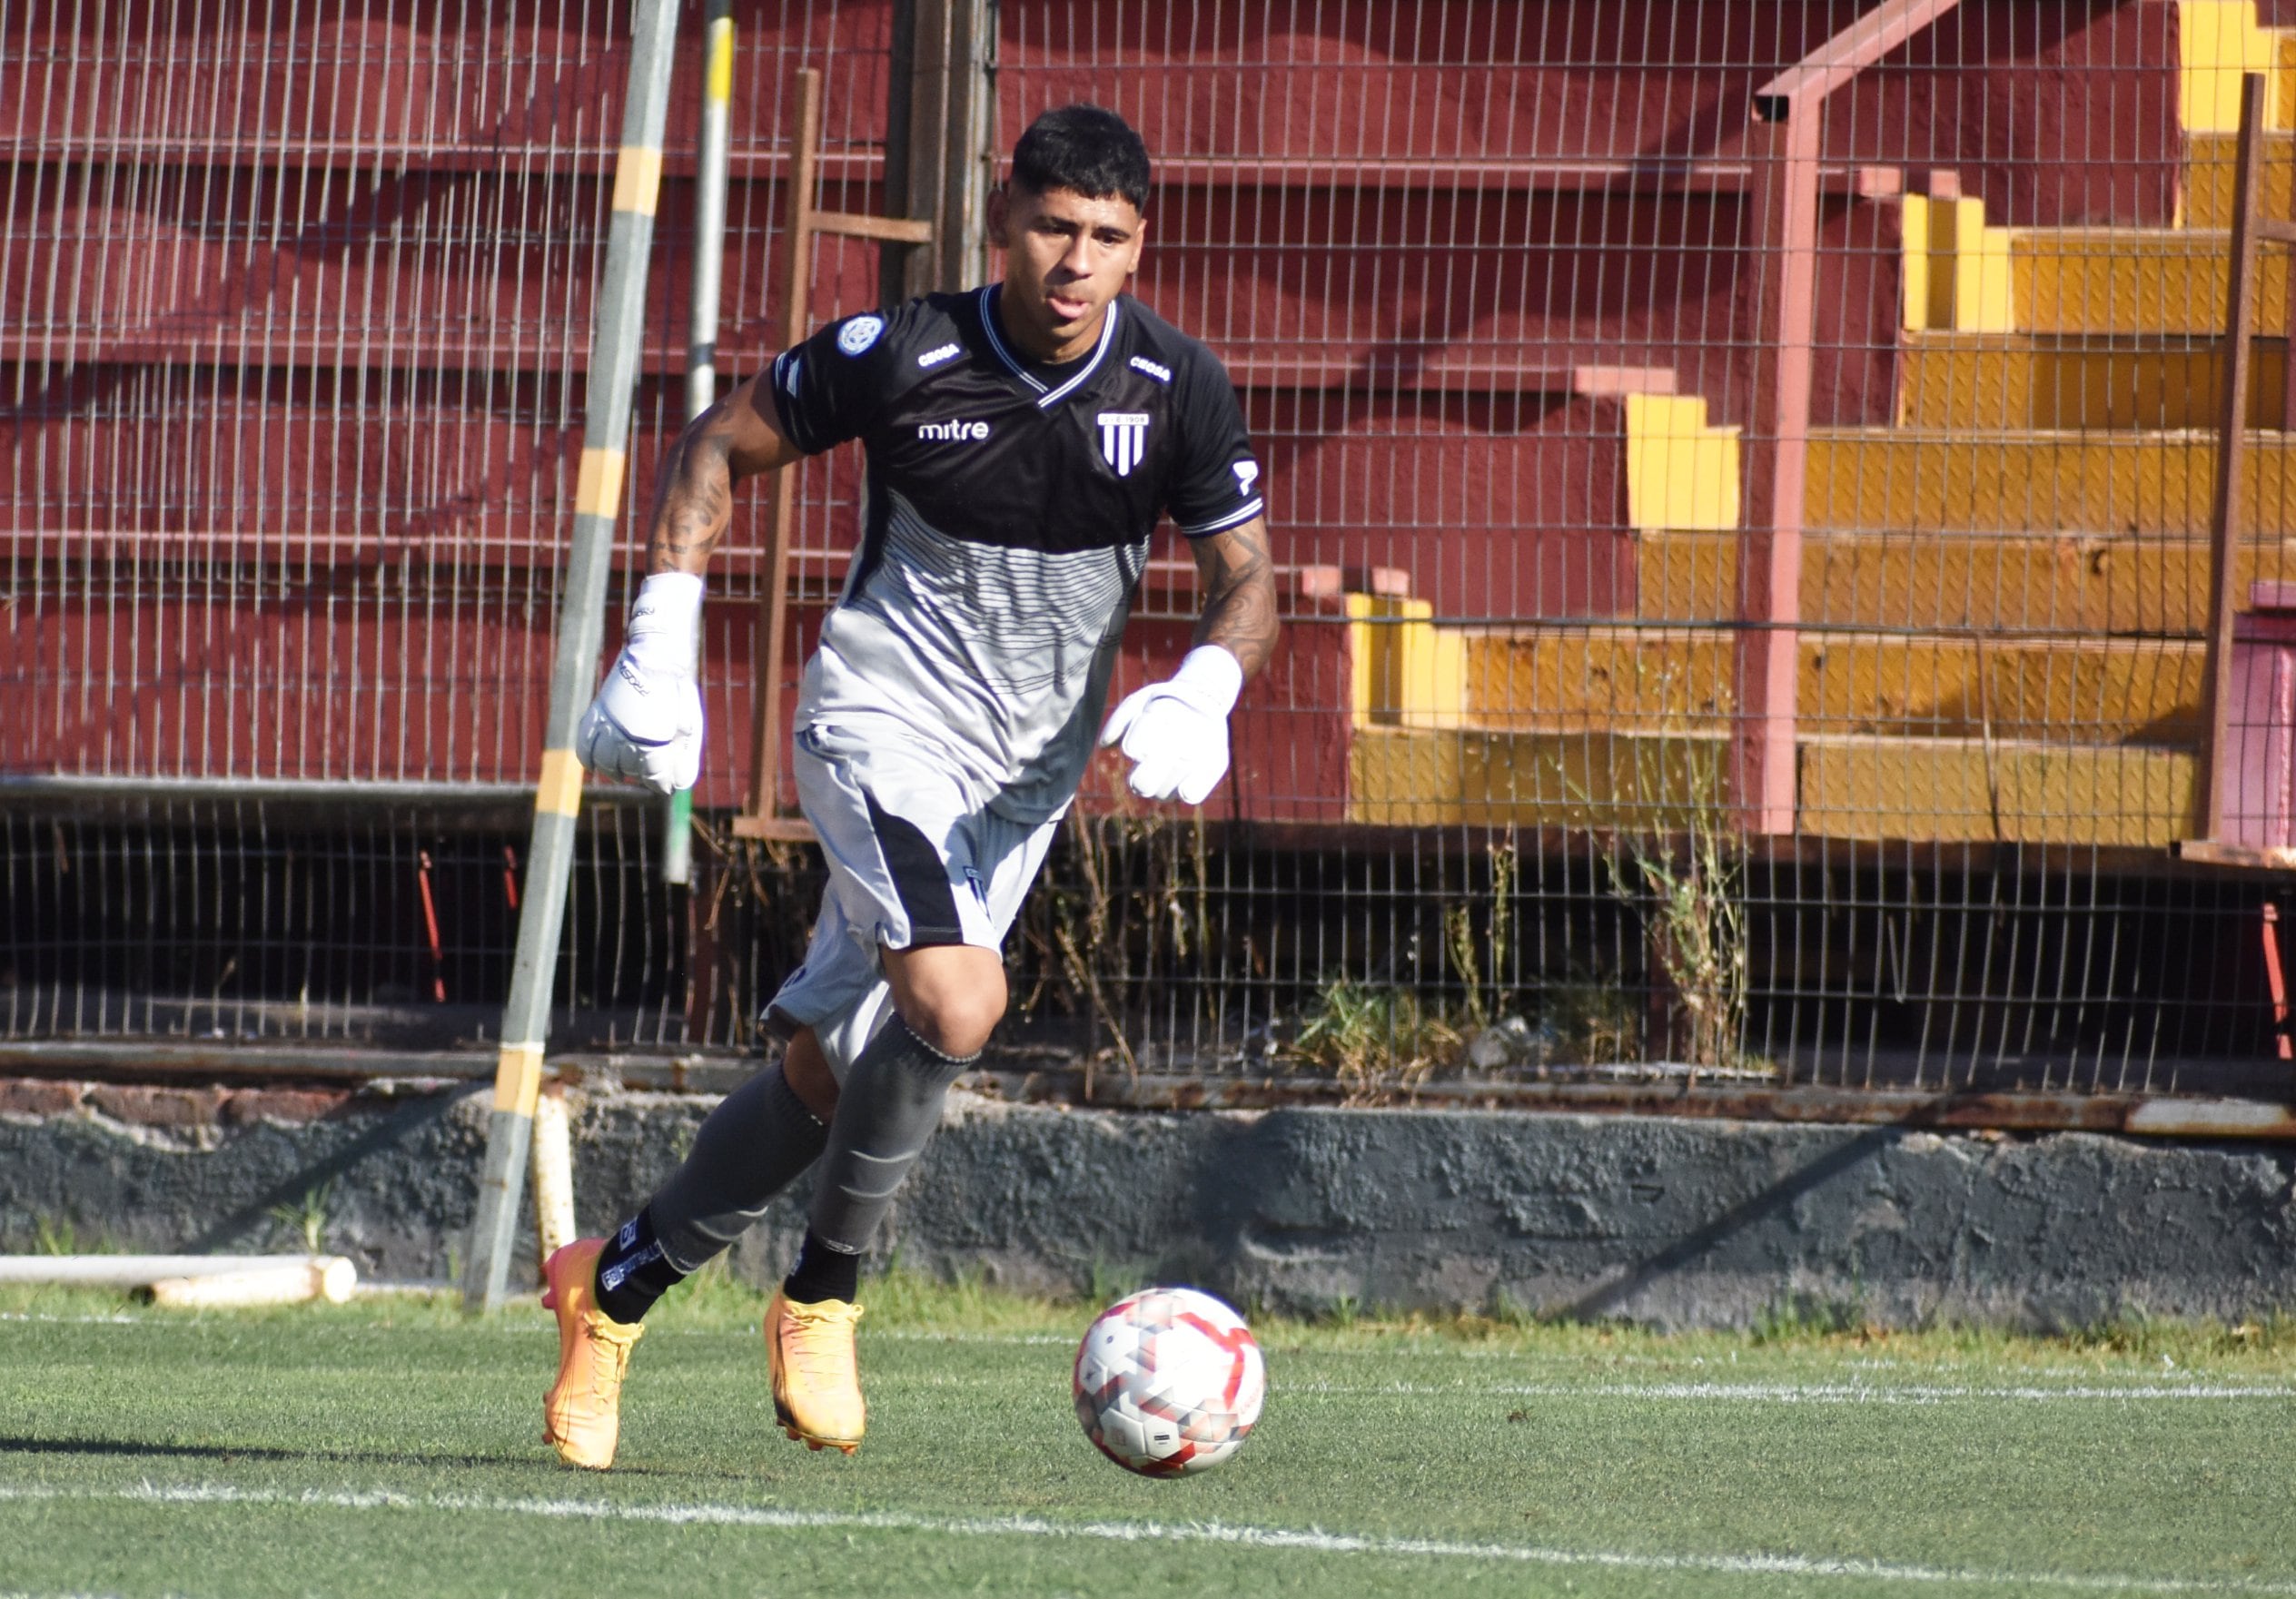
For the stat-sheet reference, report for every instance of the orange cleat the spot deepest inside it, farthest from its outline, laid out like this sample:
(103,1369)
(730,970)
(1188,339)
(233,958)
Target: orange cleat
(817,1378)
(582,1413)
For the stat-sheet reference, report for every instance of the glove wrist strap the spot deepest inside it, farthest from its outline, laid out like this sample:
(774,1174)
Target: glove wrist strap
(668,609)
(1212,675)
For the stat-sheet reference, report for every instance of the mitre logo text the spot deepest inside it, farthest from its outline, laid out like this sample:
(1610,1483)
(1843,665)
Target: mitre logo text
(954,432)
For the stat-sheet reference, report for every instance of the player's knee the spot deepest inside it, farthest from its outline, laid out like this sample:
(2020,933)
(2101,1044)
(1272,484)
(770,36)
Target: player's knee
(956,1018)
(951,995)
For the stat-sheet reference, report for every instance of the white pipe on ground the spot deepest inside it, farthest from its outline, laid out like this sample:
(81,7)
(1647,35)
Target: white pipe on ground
(330,1276)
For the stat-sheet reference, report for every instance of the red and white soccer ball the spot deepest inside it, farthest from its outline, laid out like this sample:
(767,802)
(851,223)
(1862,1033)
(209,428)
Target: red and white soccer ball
(1168,1381)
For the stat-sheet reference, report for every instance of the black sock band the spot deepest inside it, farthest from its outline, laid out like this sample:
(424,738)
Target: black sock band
(823,1273)
(633,1272)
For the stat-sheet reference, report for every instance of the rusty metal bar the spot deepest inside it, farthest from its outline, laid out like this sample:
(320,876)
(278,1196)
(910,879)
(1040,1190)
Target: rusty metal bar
(2276,980)
(2232,448)
(1842,57)
(1783,147)
(885,229)
(1770,571)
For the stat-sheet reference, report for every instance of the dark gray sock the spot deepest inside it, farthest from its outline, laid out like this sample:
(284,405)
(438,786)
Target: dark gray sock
(886,1111)
(750,1148)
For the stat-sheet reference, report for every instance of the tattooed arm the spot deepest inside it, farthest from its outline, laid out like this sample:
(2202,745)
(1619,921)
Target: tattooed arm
(1238,607)
(693,501)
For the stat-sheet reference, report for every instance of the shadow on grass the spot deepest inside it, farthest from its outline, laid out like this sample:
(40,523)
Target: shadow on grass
(136,1448)
(228,1454)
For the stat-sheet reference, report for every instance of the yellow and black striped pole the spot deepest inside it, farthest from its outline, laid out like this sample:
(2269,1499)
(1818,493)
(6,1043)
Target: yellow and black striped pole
(597,494)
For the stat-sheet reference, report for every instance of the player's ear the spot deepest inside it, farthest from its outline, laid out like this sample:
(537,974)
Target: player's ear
(1000,211)
(1139,241)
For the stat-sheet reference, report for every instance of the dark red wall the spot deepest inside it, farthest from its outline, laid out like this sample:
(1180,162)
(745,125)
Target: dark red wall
(293,313)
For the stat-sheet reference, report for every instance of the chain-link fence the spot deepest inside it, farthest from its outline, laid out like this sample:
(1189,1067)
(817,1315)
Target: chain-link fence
(1743,475)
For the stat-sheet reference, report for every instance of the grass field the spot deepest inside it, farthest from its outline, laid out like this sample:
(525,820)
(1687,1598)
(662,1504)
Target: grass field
(388,1446)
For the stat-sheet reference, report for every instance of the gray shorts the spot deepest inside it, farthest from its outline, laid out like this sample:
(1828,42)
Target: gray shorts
(911,864)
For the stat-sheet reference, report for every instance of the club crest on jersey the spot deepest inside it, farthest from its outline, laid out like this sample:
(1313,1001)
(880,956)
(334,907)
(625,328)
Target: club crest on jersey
(859,334)
(1123,439)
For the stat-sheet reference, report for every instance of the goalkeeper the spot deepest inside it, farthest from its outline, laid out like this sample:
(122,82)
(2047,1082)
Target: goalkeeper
(1021,441)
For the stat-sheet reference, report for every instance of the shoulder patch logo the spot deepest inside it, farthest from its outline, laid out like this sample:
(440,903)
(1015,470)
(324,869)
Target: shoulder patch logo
(1162,374)
(1123,439)
(859,334)
(1247,473)
(934,358)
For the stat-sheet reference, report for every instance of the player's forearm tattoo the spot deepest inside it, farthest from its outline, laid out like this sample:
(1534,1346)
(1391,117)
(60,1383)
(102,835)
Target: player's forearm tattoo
(695,501)
(1239,607)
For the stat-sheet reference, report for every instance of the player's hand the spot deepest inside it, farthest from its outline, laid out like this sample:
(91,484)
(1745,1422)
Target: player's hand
(1175,733)
(646,722)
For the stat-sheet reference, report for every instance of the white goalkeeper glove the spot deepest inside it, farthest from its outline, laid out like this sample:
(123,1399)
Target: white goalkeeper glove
(1175,733)
(646,722)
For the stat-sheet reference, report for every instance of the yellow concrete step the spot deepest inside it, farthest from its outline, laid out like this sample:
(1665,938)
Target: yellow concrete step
(1999,382)
(1409,777)
(1653,681)
(2079,583)
(1964,790)
(2135,280)
(2209,169)
(1946,789)
(1914,481)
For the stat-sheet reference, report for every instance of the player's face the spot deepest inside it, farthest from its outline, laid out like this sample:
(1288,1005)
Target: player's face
(1066,257)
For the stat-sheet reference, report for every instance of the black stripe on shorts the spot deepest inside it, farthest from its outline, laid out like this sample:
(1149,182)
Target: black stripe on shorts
(919,876)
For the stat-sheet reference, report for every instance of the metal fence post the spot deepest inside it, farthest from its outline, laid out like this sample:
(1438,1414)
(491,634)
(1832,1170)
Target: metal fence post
(1785,201)
(613,372)
(701,324)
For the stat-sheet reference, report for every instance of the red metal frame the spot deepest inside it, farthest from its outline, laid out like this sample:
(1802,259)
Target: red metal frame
(1784,145)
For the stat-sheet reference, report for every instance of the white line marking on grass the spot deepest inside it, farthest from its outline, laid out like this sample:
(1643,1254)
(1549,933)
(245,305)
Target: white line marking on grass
(1818,1393)
(1310,1540)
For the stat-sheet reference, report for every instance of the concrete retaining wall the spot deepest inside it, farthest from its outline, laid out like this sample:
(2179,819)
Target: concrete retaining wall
(1676,1223)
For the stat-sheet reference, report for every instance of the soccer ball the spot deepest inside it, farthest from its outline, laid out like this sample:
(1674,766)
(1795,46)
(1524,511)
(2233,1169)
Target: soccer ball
(1169,1381)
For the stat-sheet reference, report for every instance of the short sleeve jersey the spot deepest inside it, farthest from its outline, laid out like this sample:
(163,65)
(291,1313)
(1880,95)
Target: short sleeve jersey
(1008,510)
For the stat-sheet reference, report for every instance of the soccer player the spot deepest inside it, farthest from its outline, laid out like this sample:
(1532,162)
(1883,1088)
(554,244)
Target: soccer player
(1021,441)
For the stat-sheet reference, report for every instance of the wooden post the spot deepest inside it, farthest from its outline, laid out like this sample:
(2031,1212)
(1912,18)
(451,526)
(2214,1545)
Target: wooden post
(2232,451)
(760,817)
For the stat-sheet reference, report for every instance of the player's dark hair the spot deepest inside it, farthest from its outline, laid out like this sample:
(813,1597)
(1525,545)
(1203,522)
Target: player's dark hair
(1086,148)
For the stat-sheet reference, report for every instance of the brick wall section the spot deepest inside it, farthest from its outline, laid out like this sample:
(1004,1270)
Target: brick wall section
(157,1105)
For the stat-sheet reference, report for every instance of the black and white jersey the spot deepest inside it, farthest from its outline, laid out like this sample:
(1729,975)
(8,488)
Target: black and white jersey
(1008,512)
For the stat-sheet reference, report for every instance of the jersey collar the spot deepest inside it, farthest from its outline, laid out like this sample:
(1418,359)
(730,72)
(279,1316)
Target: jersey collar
(1046,398)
